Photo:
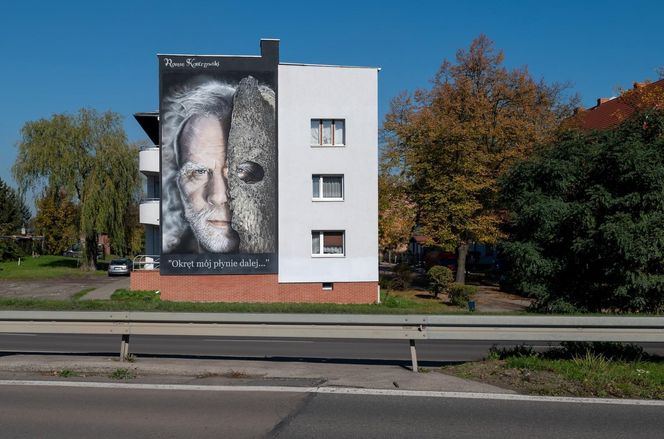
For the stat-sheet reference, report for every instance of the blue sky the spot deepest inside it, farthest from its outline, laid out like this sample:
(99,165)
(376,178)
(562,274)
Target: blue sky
(65,55)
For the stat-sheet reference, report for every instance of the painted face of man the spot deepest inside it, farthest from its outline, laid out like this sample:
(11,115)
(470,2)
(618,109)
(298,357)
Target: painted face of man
(203,183)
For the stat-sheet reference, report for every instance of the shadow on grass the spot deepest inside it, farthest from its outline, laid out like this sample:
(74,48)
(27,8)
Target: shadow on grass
(62,263)
(102,265)
(425,296)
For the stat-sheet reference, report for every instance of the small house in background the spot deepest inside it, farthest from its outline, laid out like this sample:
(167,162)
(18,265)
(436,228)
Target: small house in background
(609,112)
(30,244)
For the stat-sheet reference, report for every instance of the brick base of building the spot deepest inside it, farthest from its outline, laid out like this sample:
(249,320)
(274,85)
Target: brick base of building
(250,288)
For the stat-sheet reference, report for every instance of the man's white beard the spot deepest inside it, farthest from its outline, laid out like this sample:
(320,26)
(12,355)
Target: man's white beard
(212,239)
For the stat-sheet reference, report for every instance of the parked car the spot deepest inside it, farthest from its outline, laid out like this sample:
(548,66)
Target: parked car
(73,251)
(119,267)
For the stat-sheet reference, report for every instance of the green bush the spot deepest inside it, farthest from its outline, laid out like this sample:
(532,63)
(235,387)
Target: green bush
(9,251)
(522,350)
(570,350)
(440,279)
(390,301)
(401,279)
(385,282)
(460,294)
(609,350)
(556,306)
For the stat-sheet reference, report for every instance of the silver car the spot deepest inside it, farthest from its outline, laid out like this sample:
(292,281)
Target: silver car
(119,267)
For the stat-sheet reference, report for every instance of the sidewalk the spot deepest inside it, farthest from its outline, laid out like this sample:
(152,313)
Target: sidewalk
(104,292)
(235,372)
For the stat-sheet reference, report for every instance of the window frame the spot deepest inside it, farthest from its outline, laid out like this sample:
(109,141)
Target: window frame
(320,143)
(320,188)
(321,235)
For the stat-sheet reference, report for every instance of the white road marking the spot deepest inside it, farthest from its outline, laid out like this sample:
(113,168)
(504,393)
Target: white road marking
(337,391)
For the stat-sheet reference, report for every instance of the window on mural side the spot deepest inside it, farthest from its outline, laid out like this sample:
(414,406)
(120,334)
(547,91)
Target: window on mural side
(328,132)
(327,243)
(328,187)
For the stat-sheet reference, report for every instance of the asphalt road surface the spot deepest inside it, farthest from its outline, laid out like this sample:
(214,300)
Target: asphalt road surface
(378,351)
(65,412)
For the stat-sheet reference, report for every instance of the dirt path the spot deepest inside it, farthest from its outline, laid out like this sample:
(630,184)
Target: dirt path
(491,299)
(56,289)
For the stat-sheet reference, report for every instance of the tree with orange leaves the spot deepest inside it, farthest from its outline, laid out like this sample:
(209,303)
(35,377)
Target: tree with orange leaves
(396,218)
(452,142)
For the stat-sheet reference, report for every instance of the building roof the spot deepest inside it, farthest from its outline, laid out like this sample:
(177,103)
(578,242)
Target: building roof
(149,121)
(420,239)
(610,112)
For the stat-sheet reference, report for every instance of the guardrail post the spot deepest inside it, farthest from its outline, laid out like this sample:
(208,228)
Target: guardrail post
(124,347)
(413,356)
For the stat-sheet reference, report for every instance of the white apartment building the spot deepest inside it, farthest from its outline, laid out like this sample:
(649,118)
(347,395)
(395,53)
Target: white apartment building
(326,174)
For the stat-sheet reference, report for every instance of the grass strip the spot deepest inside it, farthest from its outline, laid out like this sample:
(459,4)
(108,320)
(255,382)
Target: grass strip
(44,267)
(124,300)
(80,294)
(596,376)
(606,370)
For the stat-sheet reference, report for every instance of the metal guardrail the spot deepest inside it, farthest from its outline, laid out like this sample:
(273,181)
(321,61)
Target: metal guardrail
(348,326)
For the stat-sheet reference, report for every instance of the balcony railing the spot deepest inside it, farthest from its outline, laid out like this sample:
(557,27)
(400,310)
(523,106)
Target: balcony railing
(146,262)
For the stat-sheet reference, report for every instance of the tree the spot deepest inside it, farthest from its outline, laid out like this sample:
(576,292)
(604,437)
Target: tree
(396,214)
(14,214)
(88,156)
(134,233)
(587,221)
(13,211)
(56,220)
(452,142)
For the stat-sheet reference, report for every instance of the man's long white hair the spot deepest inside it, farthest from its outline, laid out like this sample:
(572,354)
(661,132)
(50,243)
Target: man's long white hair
(208,98)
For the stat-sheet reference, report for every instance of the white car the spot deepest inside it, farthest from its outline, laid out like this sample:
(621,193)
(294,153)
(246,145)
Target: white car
(119,267)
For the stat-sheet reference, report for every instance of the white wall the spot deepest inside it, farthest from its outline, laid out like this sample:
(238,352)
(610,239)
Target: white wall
(326,92)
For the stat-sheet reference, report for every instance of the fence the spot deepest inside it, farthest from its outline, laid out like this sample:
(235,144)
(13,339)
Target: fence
(347,326)
(146,262)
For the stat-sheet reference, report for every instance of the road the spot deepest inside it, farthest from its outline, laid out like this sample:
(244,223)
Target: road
(70,412)
(379,351)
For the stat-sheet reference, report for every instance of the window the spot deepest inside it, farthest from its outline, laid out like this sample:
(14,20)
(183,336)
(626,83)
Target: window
(328,243)
(328,187)
(328,286)
(328,132)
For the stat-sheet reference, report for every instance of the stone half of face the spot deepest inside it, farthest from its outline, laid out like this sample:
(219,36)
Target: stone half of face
(252,167)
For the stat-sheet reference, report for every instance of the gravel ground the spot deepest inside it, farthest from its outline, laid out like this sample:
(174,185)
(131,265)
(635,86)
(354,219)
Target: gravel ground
(56,289)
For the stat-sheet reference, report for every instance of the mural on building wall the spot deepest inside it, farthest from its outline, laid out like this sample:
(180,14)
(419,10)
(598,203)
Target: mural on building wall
(218,165)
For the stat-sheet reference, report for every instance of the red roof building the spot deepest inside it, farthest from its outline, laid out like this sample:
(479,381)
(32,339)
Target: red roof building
(609,112)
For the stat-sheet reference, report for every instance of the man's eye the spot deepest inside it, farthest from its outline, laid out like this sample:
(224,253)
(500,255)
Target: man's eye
(196,174)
